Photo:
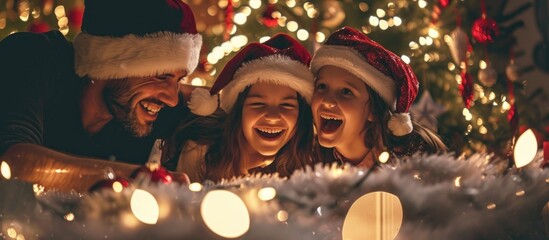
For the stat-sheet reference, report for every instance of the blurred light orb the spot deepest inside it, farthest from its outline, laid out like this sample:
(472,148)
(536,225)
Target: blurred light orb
(5,170)
(144,206)
(376,215)
(225,214)
(525,148)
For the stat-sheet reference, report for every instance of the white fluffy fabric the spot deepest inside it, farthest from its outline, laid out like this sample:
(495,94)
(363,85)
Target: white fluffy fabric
(348,59)
(276,69)
(400,124)
(442,197)
(202,103)
(133,56)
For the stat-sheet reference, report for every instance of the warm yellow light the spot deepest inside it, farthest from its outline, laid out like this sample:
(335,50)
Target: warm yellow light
(282,215)
(383,24)
(397,21)
(519,193)
(428,41)
(320,37)
(117,186)
(433,33)
(255,4)
(144,206)
(5,170)
(240,18)
(292,26)
(69,217)
(482,64)
(422,41)
(376,215)
(59,11)
(525,148)
(197,81)
(373,20)
(406,59)
(195,187)
(457,181)
(505,106)
(413,45)
(12,233)
(480,121)
(384,157)
(451,66)
(291,3)
(227,47)
(491,96)
(225,214)
(264,39)
(491,206)
(363,6)
(422,3)
(302,34)
(266,194)
(380,13)
(482,130)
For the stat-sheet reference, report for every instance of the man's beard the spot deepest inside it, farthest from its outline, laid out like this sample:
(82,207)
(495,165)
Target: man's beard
(118,96)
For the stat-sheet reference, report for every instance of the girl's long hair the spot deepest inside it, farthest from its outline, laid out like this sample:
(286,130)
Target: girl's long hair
(223,158)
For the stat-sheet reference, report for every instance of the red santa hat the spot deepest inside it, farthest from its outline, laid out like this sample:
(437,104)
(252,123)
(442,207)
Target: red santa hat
(127,38)
(280,60)
(383,71)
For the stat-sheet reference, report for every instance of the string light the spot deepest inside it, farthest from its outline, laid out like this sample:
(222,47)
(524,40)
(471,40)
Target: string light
(374,21)
(292,26)
(397,21)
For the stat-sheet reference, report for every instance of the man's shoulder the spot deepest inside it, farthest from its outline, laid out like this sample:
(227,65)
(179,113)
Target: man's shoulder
(34,44)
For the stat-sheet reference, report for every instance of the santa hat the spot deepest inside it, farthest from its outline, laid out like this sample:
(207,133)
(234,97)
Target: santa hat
(127,38)
(383,71)
(281,60)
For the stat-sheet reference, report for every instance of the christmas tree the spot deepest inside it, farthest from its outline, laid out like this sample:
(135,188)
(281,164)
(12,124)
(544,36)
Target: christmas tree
(462,51)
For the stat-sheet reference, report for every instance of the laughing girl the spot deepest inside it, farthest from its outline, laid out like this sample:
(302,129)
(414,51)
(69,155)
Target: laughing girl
(267,127)
(361,100)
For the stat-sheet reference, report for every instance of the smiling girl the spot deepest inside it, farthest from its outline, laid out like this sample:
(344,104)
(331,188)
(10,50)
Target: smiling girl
(267,126)
(361,100)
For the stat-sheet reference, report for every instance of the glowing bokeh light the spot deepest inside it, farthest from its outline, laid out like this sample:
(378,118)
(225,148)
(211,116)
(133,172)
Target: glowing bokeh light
(5,170)
(525,148)
(144,206)
(266,194)
(376,215)
(225,214)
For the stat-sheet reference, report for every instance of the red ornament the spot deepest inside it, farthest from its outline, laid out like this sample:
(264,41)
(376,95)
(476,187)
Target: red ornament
(39,27)
(443,3)
(267,18)
(466,89)
(484,30)
(154,172)
(75,16)
(115,184)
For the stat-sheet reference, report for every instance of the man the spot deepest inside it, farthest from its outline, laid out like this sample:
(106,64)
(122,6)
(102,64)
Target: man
(110,95)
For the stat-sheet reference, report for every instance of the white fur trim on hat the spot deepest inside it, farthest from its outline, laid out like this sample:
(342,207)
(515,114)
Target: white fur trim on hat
(400,124)
(277,69)
(101,57)
(202,103)
(350,60)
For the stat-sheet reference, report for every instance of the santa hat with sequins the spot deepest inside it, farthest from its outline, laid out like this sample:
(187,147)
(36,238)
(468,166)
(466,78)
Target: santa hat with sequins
(127,38)
(383,71)
(281,60)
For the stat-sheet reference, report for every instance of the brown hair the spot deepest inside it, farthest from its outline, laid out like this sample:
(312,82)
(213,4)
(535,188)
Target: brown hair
(378,128)
(223,157)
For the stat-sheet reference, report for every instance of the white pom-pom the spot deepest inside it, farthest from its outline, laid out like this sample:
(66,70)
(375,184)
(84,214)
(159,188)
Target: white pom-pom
(202,103)
(400,124)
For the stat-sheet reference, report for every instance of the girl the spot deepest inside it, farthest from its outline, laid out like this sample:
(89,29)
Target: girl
(361,100)
(266,125)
